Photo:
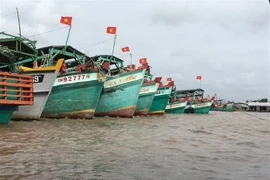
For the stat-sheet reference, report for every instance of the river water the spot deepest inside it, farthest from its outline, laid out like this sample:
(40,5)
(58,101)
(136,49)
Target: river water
(220,145)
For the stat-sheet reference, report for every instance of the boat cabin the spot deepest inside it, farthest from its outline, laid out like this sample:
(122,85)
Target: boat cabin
(109,63)
(190,94)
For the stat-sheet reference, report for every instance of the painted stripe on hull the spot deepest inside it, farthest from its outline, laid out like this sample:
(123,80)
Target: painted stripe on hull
(86,114)
(161,112)
(122,112)
(141,112)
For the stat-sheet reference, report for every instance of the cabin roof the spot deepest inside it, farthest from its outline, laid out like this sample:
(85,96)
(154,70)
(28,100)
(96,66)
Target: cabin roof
(189,90)
(61,47)
(110,57)
(14,48)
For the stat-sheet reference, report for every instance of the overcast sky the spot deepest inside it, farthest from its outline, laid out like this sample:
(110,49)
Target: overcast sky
(226,42)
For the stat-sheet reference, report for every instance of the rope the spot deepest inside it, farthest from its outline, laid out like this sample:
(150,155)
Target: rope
(48,31)
(8,19)
(102,42)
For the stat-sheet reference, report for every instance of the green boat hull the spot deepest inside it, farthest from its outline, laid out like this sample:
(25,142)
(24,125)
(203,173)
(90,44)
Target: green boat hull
(176,108)
(228,107)
(77,98)
(120,95)
(160,101)
(198,108)
(146,96)
(6,112)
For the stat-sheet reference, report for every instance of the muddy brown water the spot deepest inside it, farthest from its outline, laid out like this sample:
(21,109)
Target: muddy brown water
(220,145)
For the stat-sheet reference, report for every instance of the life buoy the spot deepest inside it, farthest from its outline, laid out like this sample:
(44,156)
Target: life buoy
(190,110)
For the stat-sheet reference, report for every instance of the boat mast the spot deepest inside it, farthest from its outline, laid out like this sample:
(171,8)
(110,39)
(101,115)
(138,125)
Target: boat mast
(18,17)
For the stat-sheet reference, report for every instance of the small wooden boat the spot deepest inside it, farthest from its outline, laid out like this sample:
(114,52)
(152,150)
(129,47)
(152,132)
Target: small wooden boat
(16,90)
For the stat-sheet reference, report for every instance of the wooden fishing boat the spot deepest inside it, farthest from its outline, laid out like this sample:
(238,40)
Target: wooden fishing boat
(16,90)
(175,105)
(161,98)
(121,89)
(195,101)
(147,91)
(20,55)
(77,88)
(146,97)
(221,104)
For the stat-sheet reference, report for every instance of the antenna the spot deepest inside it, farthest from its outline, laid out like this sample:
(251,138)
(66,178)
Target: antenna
(19,22)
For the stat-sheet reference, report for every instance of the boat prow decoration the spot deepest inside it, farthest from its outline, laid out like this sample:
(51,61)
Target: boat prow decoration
(46,68)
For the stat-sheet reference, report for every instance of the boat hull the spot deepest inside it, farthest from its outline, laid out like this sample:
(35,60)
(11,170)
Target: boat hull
(198,108)
(228,107)
(43,83)
(146,96)
(6,112)
(176,107)
(160,101)
(74,96)
(120,94)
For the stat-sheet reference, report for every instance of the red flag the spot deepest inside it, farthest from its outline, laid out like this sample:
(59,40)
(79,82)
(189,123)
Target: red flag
(66,20)
(171,83)
(169,79)
(158,79)
(143,61)
(125,49)
(111,30)
(199,77)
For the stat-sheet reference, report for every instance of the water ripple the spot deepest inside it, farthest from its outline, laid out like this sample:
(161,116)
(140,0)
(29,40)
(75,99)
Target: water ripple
(215,146)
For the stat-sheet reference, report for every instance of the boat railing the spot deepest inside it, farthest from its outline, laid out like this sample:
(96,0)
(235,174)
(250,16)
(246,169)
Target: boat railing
(16,89)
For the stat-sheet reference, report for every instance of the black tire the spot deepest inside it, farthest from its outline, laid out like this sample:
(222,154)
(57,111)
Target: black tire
(189,110)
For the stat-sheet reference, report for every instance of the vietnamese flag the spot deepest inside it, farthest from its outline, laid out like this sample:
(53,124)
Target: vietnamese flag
(125,49)
(169,79)
(66,20)
(199,77)
(111,30)
(143,61)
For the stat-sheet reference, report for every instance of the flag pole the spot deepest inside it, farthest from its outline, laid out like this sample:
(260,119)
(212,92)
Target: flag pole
(200,83)
(114,44)
(67,37)
(130,58)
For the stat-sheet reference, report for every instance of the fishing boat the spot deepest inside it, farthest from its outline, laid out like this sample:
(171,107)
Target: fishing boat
(121,89)
(175,105)
(147,91)
(221,104)
(195,101)
(146,97)
(77,88)
(20,55)
(16,91)
(161,98)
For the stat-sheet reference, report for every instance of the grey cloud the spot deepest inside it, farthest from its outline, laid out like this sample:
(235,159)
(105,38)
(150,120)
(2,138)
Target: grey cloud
(227,42)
